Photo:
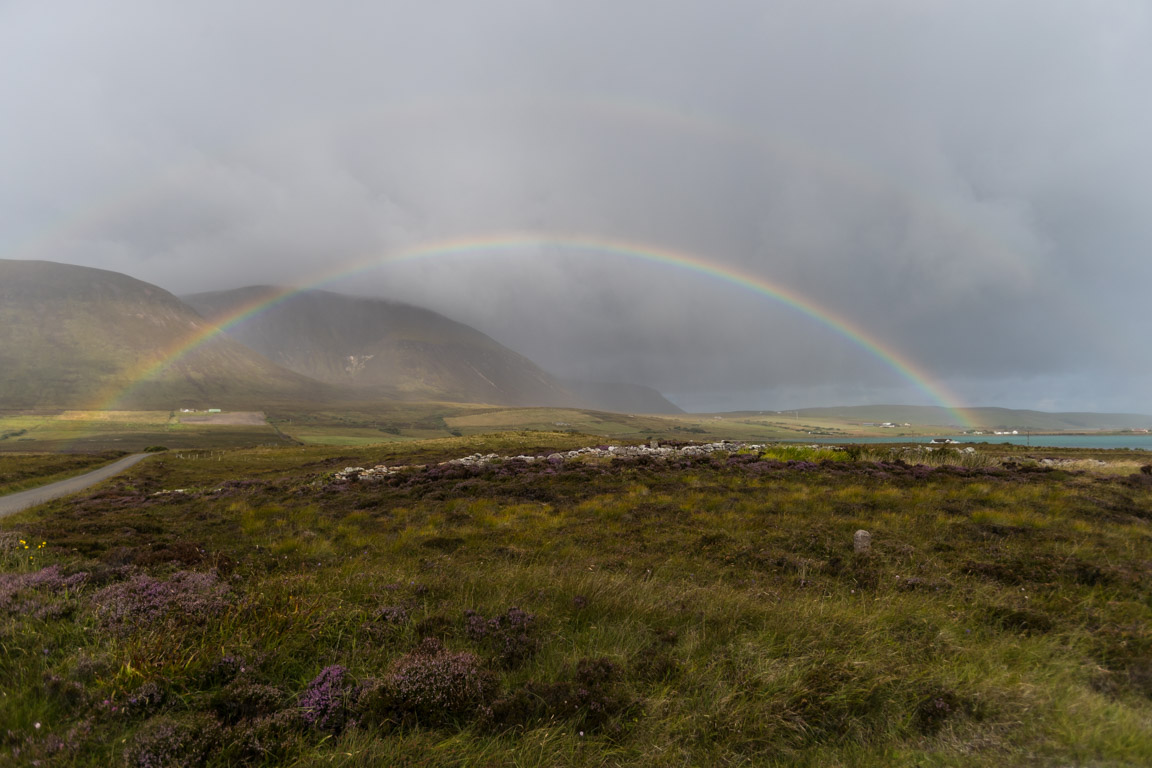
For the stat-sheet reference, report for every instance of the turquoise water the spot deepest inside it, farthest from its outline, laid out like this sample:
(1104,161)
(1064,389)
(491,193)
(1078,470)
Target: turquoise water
(1099,442)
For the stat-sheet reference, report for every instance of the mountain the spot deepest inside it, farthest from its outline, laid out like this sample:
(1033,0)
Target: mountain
(85,338)
(382,348)
(621,398)
(986,418)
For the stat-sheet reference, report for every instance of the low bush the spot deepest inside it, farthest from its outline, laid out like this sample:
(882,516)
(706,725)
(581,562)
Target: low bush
(436,685)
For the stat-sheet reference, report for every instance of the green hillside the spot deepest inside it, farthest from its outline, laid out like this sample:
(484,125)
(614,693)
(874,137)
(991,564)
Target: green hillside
(78,337)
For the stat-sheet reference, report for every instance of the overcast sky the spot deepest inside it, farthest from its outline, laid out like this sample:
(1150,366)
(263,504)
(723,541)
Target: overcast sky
(968,183)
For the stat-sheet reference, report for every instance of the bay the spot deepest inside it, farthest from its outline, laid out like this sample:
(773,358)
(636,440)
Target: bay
(1098,442)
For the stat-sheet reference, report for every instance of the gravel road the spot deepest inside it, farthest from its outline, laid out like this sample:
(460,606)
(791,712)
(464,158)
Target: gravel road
(18,501)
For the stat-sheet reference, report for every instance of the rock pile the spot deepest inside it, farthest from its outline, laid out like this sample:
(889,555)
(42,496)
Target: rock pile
(1048,462)
(370,474)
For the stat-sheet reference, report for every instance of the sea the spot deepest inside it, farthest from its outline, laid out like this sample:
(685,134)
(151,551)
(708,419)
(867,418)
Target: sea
(1137,442)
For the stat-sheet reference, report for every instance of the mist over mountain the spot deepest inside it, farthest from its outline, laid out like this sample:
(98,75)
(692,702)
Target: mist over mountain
(382,348)
(392,349)
(964,184)
(81,337)
(622,397)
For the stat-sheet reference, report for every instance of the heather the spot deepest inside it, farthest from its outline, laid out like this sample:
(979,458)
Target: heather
(695,609)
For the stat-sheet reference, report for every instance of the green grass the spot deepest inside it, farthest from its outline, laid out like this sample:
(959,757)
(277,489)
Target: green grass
(128,431)
(388,422)
(22,471)
(1001,618)
(356,425)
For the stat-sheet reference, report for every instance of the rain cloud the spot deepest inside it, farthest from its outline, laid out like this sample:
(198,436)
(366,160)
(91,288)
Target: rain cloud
(967,184)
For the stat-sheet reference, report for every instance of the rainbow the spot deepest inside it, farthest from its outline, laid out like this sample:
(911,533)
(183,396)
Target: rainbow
(893,358)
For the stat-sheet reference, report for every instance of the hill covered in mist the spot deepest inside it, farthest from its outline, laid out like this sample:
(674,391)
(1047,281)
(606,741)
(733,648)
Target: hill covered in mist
(80,337)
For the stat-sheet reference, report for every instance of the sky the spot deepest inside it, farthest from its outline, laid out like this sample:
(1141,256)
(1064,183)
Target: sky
(968,185)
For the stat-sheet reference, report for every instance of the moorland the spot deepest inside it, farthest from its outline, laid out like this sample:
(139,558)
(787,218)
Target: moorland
(253,604)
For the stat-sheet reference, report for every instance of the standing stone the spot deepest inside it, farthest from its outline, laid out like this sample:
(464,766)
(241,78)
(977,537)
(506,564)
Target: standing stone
(654,443)
(862,541)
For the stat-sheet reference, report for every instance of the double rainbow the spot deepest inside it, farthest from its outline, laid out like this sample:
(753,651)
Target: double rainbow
(642,252)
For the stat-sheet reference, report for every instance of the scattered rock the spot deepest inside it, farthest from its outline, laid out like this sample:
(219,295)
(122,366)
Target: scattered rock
(653,449)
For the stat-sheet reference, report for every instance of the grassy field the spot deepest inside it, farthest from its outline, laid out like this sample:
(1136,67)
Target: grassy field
(414,421)
(242,607)
(417,421)
(390,422)
(97,431)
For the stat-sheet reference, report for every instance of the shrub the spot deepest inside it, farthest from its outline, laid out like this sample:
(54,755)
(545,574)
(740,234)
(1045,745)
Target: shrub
(89,667)
(245,699)
(69,693)
(24,592)
(146,700)
(592,701)
(266,740)
(188,595)
(511,637)
(939,705)
(165,741)
(437,685)
(388,623)
(222,671)
(375,703)
(655,664)
(392,614)
(325,703)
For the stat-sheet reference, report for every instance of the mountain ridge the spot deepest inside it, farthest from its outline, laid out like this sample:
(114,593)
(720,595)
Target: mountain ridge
(78,336)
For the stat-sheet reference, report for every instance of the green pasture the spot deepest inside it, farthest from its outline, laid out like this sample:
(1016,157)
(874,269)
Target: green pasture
(129,431)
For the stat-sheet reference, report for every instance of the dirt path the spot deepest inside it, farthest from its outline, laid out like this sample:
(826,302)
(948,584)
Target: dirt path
(16,502)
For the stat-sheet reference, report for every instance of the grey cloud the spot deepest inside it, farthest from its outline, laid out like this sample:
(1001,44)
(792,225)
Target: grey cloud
(967,183)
